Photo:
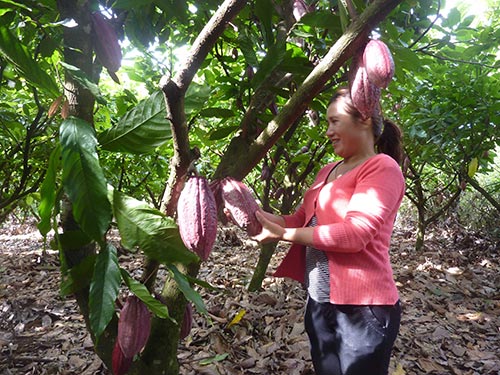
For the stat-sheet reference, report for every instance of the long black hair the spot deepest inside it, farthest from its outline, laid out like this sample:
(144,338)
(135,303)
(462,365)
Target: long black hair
(388,135)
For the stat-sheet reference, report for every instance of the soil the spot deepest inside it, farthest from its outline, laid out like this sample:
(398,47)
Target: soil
(449,294)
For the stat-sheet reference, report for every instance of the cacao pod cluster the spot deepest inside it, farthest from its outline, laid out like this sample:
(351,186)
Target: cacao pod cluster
(198,207)
(106,45)
(134,326)
(372,69)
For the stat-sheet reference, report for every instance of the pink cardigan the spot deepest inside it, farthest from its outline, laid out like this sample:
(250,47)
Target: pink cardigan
(355,214)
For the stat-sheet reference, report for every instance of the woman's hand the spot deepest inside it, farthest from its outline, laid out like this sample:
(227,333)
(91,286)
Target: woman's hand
(272,227)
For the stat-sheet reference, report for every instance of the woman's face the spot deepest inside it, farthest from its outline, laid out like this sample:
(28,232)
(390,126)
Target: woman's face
(346,132)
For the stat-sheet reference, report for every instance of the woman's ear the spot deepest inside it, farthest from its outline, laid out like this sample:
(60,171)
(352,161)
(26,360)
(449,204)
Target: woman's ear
(366,123)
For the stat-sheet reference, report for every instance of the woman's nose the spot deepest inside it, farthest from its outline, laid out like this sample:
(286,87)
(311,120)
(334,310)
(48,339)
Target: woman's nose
(329,130)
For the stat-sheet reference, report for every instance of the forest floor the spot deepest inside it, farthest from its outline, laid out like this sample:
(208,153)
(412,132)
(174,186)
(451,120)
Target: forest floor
(450,294)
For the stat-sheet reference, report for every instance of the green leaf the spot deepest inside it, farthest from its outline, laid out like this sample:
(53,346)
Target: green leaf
(264,11)
(73,239)
(13,4)
(323,19)
(186,289)
(131,4)
(197,96)
(104,289)
(153,232)
(247,48)
(140,290)
(17,54)
(217,112)
(216,358)
(48,192)
(141,130)
(83,178)
(78,277)
(271,61)
(473,166)
(221,133)
(84,81)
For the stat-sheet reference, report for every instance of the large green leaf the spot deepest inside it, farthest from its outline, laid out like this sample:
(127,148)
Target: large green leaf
(153,232)
(104,289)
(17,54)
(140,290)
(48,192)
(141,130)
(83,178)
(78,277)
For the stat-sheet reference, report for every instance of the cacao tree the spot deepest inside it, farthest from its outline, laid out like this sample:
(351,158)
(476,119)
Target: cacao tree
(451,129)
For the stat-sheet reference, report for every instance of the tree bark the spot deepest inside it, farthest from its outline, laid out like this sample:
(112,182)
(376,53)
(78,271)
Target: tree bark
(78,52)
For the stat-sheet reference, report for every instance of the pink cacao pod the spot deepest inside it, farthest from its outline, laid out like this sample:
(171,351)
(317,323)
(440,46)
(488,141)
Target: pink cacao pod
(187,321)
(134,326)
(119,362)
(106,45)
(364,94)
(379,63)
(240,202)
(197,216)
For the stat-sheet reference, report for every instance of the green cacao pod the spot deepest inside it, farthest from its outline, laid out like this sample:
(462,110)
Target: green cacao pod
(197,216)
(379,63)
(241,204)
(106,45)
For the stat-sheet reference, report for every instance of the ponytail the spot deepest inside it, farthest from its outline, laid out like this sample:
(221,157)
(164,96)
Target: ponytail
(390,141)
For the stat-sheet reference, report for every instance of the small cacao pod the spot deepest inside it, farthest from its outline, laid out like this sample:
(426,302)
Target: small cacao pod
(265,173)
(300,9)
(134,326)
(197,216)
(241,204)
(379,63)
(119,362)
(364,94)
(106,45)
(187,322)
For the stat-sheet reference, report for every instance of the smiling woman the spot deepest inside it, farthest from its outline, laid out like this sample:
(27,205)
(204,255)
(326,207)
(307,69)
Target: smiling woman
(340,239)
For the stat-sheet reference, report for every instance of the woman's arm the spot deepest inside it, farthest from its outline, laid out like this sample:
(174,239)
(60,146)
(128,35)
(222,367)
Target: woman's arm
(273,230)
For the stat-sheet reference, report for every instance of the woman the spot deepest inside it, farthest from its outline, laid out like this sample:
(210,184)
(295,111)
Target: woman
(341,236)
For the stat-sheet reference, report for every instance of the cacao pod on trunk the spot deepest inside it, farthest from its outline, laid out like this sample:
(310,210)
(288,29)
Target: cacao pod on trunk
(119,362)
(187,321)
(197,216)
(106,45)
(134,326)
(379,63)
(241,204)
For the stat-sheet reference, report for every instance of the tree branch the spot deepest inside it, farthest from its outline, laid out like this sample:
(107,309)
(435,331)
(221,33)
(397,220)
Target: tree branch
(339,53)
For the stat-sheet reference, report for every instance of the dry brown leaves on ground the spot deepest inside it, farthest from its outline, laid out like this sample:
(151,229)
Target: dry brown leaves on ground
(449,293)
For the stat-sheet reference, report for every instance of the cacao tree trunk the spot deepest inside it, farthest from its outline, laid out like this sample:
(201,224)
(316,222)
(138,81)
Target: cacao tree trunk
(259,273)
(78,52)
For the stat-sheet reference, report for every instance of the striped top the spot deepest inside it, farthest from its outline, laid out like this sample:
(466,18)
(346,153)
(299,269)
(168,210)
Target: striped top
(317,277)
